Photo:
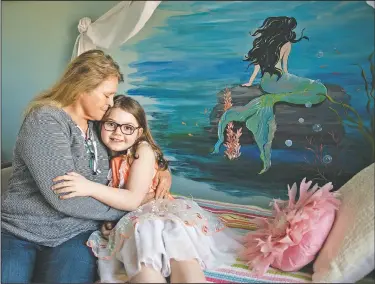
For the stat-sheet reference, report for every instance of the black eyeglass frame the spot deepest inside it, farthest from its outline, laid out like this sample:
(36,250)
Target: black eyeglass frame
(120,125)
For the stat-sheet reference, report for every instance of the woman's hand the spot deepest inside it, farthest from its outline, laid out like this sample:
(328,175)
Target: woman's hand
(246,84)
(162,183)
(253,76)
(74,184)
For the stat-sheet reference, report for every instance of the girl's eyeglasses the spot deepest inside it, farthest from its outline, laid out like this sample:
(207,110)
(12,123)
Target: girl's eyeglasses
(126,129)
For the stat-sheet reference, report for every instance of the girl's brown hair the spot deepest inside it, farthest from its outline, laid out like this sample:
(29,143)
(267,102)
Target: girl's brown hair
(133,107)
(84,74)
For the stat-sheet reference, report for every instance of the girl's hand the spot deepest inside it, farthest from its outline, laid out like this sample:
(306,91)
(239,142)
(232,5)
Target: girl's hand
(74,184)
(149,196)
(107,228)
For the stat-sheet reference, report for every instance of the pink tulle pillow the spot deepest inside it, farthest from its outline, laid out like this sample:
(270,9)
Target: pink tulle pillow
(297,232)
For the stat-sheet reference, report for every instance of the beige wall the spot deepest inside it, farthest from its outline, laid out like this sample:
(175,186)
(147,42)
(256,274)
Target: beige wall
(37,43)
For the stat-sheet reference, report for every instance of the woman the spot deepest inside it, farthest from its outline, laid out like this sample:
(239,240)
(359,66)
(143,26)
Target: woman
(43,237)
(166,237)
(270,55)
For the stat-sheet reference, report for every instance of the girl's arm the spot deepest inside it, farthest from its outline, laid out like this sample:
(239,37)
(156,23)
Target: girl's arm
(138,184)
(253,76)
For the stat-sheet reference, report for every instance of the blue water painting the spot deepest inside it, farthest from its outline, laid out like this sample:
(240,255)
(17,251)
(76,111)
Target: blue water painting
(187,62)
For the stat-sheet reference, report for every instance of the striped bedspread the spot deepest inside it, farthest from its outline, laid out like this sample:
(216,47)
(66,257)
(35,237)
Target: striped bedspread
(240,217)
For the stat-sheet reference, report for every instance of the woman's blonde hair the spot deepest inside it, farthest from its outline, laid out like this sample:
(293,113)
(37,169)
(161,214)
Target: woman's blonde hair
(84,74)
(133,107)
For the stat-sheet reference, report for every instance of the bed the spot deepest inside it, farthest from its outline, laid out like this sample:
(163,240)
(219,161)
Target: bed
(240,217)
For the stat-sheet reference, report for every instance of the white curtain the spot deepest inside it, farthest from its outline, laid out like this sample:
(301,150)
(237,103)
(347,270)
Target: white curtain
(115,27)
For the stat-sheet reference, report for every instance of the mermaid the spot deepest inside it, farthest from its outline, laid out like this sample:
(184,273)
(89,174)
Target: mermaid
(270,55)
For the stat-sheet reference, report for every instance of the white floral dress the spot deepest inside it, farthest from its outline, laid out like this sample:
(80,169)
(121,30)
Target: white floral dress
(158,231)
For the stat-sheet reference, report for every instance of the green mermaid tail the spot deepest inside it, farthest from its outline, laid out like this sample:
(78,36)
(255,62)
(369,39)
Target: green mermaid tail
(258,113)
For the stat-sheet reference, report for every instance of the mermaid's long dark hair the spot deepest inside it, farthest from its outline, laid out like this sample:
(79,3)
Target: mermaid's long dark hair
(274,33)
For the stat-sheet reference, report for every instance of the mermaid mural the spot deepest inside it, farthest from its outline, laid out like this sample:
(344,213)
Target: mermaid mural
(270,55)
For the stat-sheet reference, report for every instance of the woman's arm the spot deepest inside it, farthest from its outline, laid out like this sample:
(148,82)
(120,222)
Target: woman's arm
(288,48)
(162,183)
(253,76)
(44,146)
(138,184)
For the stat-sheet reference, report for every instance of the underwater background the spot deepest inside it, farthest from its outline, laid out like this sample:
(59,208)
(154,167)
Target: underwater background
(188,61)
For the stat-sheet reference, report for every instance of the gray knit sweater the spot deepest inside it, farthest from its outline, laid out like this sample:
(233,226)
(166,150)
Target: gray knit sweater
(50,144)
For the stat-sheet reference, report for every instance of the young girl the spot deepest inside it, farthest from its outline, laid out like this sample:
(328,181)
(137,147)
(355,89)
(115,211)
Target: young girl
(165,237)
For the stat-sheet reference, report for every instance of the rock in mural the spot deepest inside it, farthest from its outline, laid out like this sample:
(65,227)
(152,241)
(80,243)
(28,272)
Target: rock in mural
(293,122)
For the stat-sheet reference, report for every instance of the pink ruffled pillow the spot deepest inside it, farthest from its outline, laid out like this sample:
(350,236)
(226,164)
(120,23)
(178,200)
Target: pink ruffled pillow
(291,239)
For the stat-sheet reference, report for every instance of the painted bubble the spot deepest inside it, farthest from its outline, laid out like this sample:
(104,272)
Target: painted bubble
(327,159)
(317,128)
(308,104)
(301,120)
(288,143)
(320,54)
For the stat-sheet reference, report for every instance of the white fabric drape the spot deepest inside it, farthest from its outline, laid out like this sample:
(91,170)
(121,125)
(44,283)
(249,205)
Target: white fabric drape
(371,3)
(115,27)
